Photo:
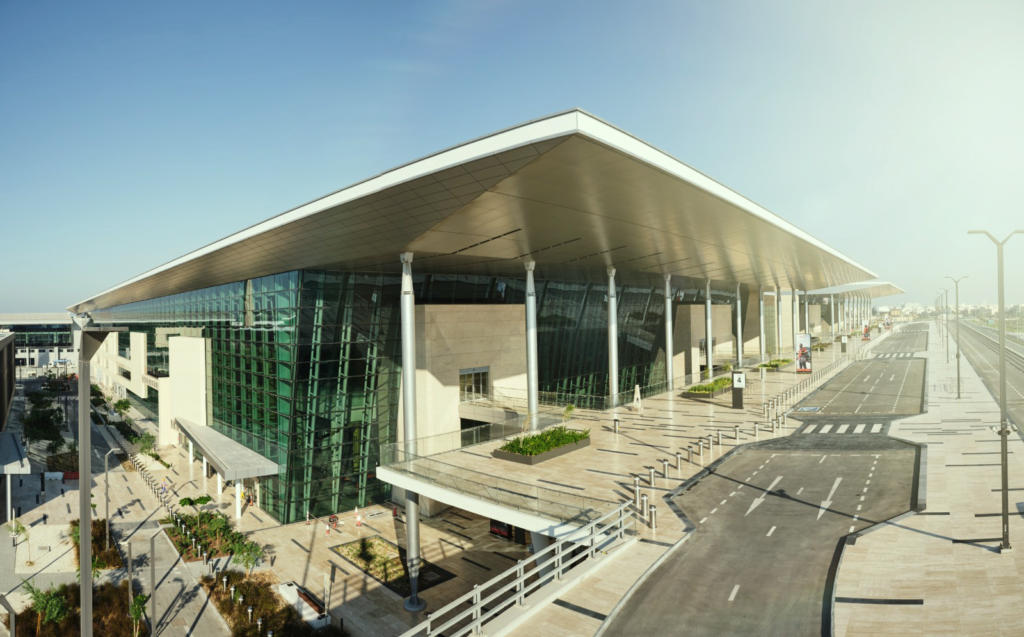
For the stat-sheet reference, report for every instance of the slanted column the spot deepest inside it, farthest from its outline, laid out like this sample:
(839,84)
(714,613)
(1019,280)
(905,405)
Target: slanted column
(669,345)
(613,339)
(412,500)
(760,319)
(709,361)
(191,459)
(532,383)
(739,328)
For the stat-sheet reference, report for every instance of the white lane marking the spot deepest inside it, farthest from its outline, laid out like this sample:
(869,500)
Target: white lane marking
(732,595)
(770,531)
(868,482)
(822,459)
(825,429)
(702,521)
(800,490)
(866,378)
(842,429)
(855,518)
(858,429)
(757,501)
(761,467)
(810,429)
(754,474)
(740,487)
(859,506)
(893,377)
(876,428)
(732,494)
(852,528)
(713,510)
(870,474)
(722,502)
(827,502)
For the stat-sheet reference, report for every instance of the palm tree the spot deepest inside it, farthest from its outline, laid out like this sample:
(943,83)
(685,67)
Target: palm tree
(49,605)
(136,610)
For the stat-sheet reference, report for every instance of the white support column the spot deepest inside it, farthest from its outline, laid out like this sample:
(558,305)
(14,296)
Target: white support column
(807,313)
(191,459)
(796,319)
(832,311)
(220,485)
(708,332)
(778,321)
(739,328)
(412,499)
(205,471)
(669,344)
(613,339)
(259,499)
(238,499)
(532,382)
(10,505)
(760,318)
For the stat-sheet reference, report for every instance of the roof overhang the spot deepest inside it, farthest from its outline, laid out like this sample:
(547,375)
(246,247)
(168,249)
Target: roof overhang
(232,460)
(569,191)
(36,318)
(872,289)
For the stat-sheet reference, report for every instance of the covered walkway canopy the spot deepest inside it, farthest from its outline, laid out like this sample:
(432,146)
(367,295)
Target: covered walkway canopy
(232,460)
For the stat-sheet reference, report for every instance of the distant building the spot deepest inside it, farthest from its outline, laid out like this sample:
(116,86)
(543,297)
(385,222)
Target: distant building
(42,338)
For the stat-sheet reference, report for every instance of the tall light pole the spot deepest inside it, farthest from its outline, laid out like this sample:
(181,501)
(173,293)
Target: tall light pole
(956,284)
(945,318)
(1004,430)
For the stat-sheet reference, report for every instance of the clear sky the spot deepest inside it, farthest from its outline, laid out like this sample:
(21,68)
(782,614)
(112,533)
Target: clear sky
(134,132)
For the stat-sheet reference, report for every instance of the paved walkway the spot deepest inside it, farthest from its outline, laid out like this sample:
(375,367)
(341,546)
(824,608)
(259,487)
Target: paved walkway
(941,571)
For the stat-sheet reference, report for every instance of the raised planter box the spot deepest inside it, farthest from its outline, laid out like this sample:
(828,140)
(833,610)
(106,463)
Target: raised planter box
(696,395)
(540,457)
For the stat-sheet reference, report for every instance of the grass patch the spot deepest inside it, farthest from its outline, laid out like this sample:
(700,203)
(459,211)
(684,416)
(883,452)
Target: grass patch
(67,461)
(155,456)
(776,363)
(102,557)
(259,592)
(538,443)
(110,614)
(713,386)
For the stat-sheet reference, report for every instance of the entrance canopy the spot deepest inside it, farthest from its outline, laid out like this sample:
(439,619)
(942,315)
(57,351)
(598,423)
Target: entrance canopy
(231,459)
(12,455)
(864,289)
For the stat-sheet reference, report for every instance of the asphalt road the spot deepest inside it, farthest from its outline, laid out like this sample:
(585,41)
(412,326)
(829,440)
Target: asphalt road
(885,387)
(769,522)
(913,338)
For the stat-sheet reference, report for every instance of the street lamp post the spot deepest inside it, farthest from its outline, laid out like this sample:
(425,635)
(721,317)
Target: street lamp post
(956,284)
(945,317)
(106,493)
(1004,429)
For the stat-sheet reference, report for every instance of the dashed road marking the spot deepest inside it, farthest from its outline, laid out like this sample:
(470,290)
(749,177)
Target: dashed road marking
(732,595)
(770,531)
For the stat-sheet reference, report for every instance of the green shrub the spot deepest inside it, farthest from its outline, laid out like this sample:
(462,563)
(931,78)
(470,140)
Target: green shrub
(776,363)
(538,443)
(713,386)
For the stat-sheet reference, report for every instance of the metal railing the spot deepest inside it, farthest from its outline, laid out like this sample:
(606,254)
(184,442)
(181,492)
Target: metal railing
(512,588)
(551,504)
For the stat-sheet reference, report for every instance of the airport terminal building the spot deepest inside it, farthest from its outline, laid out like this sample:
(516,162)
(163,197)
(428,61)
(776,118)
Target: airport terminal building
(562,261)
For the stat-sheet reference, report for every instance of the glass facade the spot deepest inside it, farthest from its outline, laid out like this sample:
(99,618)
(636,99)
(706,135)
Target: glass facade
(305,366)
(148,406)
(40,335)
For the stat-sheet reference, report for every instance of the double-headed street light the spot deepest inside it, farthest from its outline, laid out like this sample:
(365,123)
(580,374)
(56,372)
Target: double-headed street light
(956,283)
(1004,429)
(945,318)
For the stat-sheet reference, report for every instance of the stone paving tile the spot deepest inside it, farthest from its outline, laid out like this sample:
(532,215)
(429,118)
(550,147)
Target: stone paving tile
(967,588)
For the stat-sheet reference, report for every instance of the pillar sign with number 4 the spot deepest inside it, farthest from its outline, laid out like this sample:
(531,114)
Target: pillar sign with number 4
(739,383)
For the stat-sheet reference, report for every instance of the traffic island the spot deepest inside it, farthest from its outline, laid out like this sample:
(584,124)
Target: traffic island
(710,390)
(534,449)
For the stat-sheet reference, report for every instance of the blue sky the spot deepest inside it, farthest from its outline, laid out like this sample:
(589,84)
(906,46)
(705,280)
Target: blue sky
(135,132)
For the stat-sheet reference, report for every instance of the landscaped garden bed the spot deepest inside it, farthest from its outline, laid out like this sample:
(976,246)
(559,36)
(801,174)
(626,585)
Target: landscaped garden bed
(259,592)
(213,533)
(55,612)
(544,445)
(102,557)
(709,390)
(384,562)
(776,363)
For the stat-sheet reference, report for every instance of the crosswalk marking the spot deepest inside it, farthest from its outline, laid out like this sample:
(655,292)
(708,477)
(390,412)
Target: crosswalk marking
(876,428)
(810,429)
(842,429)
(896,355)
(858,429)
(825,429)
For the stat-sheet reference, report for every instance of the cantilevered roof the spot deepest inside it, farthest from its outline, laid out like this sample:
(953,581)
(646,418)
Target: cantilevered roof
(568,191)
(231,459)
(36,318)
(12,456)
(873,289)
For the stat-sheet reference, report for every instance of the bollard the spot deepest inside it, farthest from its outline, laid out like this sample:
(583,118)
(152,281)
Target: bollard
(737,432)
(679,458)
(664,468)
(690,448)
(764,409)
(785,422)
(653,520)
(616,426)
(700,448)
(711,445)
(645,506)
(755,432)
(650,476)
(636,491)
(719,441)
